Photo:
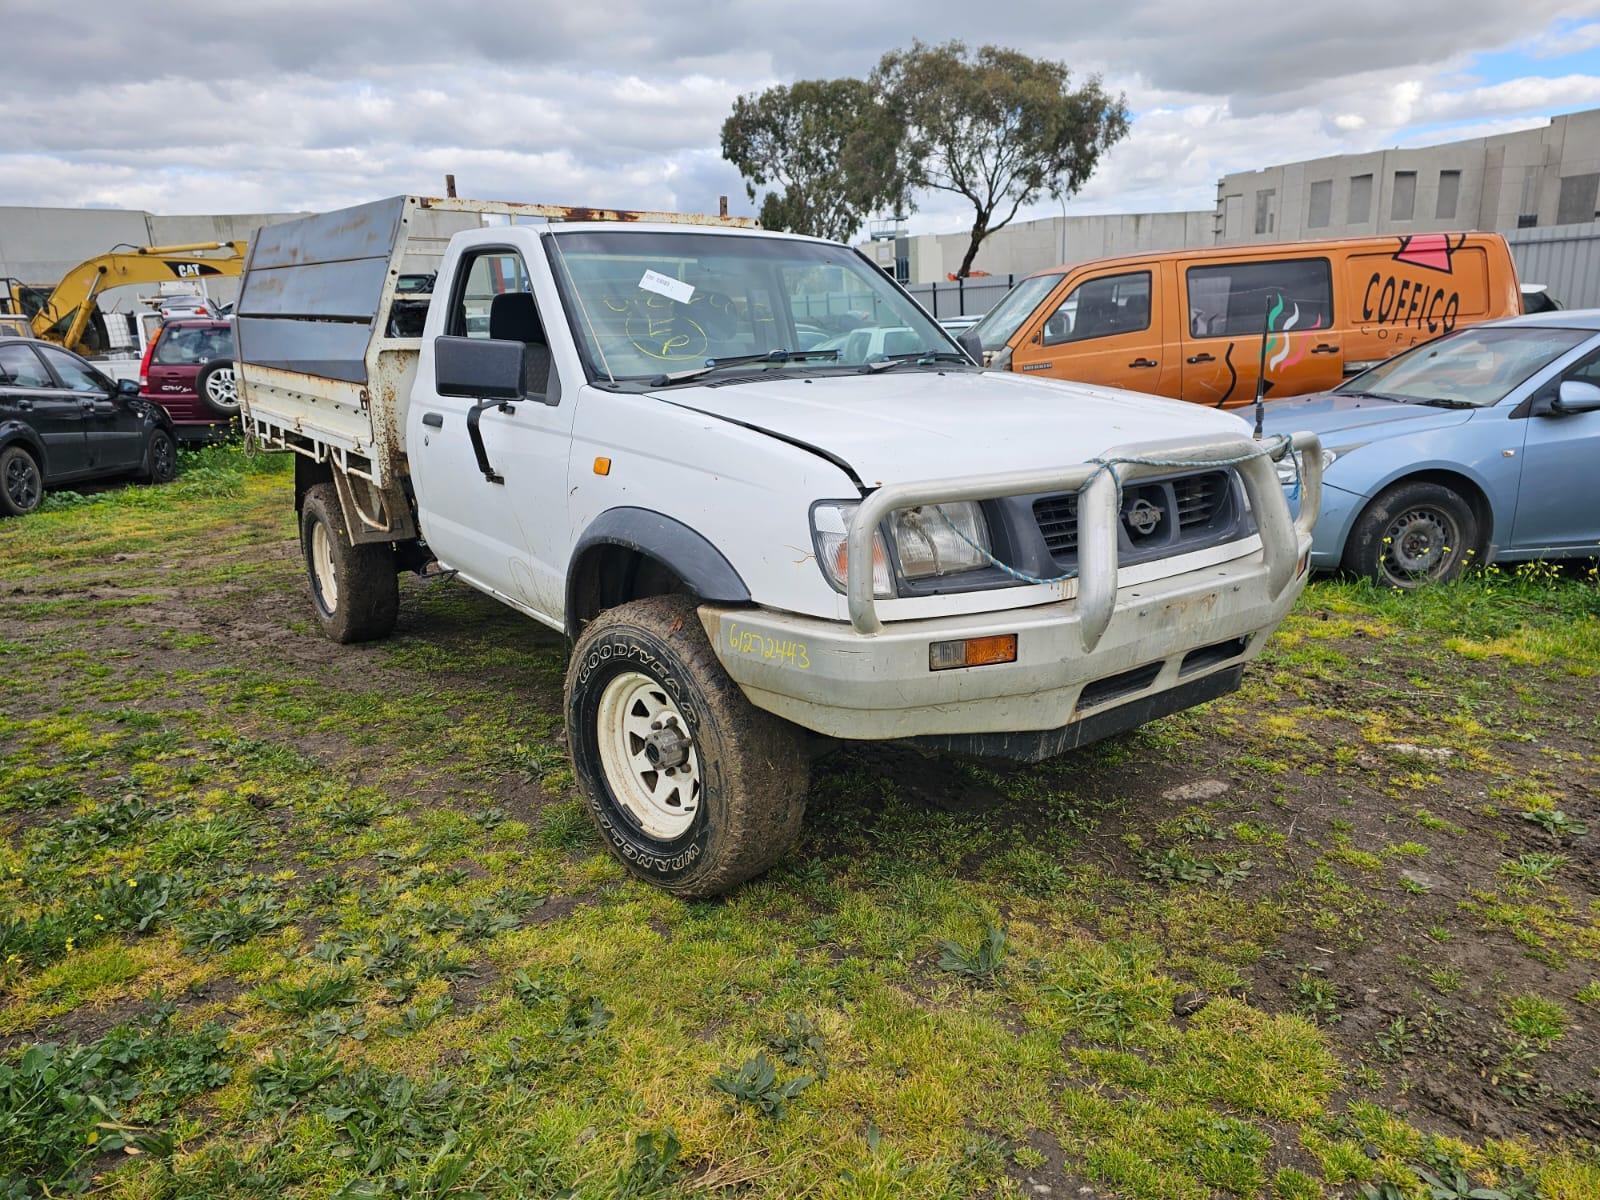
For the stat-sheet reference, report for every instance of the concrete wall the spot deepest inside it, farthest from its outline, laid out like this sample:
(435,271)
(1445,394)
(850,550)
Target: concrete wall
(1510,181)
(1028,246)
(39,245)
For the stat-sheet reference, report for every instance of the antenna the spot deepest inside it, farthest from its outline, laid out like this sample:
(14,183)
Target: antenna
(1261,368)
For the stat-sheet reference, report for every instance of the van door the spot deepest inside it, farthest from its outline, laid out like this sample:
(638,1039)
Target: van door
(1106,330)
(1228,305)
(507,537)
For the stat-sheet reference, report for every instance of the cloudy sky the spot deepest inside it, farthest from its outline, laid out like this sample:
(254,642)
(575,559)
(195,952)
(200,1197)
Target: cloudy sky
(209,106)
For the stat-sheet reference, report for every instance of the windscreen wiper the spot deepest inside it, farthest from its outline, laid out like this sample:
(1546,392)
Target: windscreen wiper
(1445,402)
(736,360)
(915,358)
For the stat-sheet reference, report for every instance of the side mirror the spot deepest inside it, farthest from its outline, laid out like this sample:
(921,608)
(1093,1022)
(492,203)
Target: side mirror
(969,341)
(1575,396)
(480,368)
(127,387)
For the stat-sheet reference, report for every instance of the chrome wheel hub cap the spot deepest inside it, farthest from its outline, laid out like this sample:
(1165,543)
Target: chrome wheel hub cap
(220,388)
(648,755)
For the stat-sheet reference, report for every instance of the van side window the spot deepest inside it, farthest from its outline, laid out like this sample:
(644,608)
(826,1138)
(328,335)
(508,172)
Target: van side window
(1233,299)
(1100,308)
(494,299)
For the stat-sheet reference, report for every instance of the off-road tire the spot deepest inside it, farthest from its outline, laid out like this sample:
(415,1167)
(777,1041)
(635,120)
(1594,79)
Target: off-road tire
(364,597)
(161,458)
(20,473)
(206,383)
(754,772)
(1376,546)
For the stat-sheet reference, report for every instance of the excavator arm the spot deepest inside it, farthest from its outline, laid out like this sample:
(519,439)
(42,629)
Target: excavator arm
(66,315)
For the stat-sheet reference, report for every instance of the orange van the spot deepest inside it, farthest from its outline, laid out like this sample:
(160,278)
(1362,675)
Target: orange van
(1189,323)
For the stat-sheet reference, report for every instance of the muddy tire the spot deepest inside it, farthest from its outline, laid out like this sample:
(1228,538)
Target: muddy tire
(691,786)
(217,388)
(161,458)
(355,590)
(21,482)
(1412,534)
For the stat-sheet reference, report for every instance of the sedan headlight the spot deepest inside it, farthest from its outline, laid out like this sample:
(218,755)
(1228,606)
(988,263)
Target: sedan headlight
(1289,471)
(930,541)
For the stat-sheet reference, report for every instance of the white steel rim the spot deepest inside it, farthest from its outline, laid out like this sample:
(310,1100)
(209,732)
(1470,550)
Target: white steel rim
(636,713)
(220,387)
(322,566)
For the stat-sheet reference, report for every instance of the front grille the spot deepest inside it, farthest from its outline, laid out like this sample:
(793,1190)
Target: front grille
(1058,521)
(1199,497)
(1158,517)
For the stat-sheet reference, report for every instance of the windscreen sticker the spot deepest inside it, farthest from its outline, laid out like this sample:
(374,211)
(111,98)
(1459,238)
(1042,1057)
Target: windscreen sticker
(666,285)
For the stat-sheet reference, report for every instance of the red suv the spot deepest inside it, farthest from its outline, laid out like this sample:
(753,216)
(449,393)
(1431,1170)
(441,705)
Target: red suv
(188,370)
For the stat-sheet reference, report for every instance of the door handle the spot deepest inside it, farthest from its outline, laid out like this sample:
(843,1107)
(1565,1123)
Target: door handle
(473,415)
(433,420)
(1324,348)
(1143,362)
(86,405)
(1196,359)
(25,405)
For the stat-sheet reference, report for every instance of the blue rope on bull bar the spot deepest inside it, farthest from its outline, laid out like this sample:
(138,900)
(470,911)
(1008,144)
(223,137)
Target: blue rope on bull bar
(1109,466)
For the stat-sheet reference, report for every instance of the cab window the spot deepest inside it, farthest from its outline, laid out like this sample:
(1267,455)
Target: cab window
(20,367)
(493,298)
(1233,299)
(72,373)
(1100,308)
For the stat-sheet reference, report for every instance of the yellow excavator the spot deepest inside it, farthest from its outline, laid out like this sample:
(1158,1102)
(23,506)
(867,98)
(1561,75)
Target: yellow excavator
(69,314)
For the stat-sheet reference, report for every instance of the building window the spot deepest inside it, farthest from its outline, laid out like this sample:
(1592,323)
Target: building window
(1319,213)
(1360,199)
(1528,210)
(1577,204)
(1266,210)
(1403,204)
(1449,195)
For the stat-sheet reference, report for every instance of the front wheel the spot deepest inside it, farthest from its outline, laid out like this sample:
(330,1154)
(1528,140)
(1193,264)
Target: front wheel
(161,458)
(1412,534)
(692,787)
(355,589)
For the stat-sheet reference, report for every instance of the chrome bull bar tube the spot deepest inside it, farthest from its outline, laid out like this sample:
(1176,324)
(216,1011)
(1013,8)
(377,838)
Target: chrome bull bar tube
(1098,513)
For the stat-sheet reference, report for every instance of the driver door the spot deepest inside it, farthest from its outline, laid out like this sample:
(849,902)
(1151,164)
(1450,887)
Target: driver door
(113,430)
(508,537)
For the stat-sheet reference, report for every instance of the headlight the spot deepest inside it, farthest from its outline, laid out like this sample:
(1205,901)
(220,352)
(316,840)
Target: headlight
(1289,472)
(927,543)
(940,539)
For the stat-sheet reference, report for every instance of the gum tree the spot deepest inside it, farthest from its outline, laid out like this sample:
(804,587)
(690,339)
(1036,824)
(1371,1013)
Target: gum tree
(996,127)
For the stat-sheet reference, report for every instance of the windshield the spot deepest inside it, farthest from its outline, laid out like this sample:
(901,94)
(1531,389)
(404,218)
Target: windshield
(649,304)
(1005,318)
(1473,367)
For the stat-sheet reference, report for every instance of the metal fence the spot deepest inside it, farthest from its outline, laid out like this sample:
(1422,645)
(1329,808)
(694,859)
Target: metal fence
(1566,258)
(963,297)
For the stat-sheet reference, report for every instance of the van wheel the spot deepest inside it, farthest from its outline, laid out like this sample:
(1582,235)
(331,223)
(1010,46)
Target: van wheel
(1413,534)
(217,389)
(21,482)
(691,786)
(355,590)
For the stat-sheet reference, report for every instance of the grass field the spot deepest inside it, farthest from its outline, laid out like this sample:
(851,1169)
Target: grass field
(281,918)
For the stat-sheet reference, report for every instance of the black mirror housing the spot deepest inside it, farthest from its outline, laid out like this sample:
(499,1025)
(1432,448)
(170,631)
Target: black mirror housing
(480,368)
(972,344)
(1575,396)
(127,387)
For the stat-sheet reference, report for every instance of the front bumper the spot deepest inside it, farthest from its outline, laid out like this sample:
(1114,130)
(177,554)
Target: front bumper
(1162,636)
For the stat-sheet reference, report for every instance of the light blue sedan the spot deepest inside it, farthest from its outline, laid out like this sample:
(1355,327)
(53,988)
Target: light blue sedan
(1482,445)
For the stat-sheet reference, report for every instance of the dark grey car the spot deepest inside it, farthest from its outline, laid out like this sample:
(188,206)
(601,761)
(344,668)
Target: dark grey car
(62,421)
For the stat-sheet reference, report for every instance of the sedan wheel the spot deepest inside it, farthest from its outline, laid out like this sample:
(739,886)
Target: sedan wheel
(21,484)
(1414,533)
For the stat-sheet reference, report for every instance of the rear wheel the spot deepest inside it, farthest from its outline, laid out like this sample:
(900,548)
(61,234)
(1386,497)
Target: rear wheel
(692,787)
(1412,534)
(355,590)
(217,388)
(21,482)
